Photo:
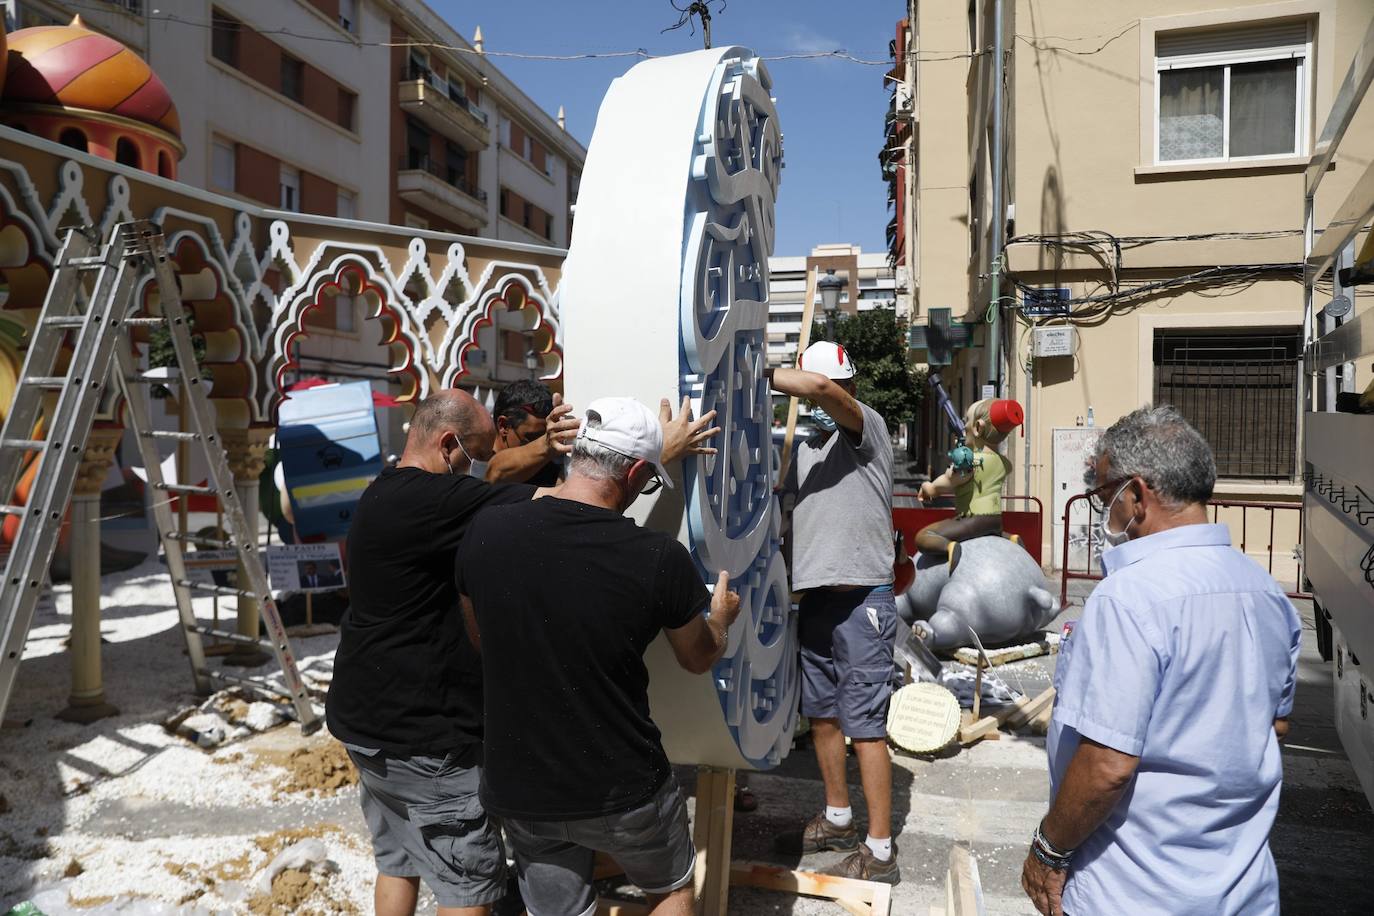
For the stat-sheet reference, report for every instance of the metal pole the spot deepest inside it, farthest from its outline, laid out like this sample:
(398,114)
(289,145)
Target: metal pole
(999,217)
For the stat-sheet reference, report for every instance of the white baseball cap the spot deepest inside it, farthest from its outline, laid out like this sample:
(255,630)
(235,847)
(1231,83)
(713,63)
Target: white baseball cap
(627,428)
(827,358)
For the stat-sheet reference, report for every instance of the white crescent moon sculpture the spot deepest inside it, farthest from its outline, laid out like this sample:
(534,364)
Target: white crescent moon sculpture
(665,294)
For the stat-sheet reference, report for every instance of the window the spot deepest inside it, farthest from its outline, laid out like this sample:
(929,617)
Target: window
(126,153)
(1238,94)
(346,205)
(348,15)
(224,38)
(347,102)
(222,164)
(164,165)
(292,78)
(290,184)
(73,138)
(1239,388)
(345,313)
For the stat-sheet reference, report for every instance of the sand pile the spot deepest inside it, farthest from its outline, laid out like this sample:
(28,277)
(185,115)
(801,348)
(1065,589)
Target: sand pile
(319,768)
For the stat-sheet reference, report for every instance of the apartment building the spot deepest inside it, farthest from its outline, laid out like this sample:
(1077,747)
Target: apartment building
(869,284)
(359,109)
(356,109)
(1150,240)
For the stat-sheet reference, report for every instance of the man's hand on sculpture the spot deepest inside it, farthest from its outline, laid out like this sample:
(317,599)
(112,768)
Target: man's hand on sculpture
(683,435)
(1043,885)
(724,602)
(560,428)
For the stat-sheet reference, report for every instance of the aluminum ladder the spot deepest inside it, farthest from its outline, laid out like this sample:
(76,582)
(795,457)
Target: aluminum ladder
(101,338)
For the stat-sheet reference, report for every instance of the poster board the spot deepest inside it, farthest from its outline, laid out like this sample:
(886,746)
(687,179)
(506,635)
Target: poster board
(309,568)
(1072,448)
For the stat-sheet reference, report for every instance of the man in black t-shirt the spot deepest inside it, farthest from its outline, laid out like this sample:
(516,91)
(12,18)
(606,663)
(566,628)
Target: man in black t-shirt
(406,694)
(573,762)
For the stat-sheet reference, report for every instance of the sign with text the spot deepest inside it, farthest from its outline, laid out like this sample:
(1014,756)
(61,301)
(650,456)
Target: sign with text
(305,567)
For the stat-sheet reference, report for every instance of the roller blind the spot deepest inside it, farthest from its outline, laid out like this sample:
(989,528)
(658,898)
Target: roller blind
(1218,46)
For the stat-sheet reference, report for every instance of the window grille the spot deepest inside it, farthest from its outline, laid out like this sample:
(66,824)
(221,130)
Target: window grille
(1239,388)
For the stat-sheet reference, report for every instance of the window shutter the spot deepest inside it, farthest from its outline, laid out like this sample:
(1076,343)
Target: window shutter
(1217,46)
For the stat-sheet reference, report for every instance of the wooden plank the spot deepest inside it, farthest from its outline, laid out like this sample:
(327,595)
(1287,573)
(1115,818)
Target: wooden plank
(963,893)
(1032,709)
(1042,646)
(806,883)
(985,727)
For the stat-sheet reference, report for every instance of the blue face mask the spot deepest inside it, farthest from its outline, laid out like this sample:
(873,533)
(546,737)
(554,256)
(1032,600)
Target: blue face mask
(823,419)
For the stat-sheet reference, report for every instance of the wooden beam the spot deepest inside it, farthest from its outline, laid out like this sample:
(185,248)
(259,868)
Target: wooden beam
(1028,711)
(803,341)
(963,891)
(863,898)
(712,833)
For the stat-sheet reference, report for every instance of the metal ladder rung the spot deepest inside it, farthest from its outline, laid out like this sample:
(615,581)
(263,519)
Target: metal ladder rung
(190,538)
(13,510)
(153,379)
(266,686)
(216,589)
(65,321)
(46,381)
(87,262)
(28,445)
(230,635)
(145,322)
(186,488)
(168,434)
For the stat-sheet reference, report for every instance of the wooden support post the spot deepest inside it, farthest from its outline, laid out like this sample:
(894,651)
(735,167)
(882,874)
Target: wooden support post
(803,341)
(712,834)
(963,890)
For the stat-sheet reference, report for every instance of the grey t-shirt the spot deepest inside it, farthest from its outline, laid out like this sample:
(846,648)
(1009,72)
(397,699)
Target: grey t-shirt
(842,520)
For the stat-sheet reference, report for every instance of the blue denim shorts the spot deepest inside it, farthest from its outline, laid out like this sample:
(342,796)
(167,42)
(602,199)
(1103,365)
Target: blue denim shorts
(847,639)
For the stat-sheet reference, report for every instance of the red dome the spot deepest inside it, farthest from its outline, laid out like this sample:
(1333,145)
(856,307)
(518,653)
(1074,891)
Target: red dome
(70,66)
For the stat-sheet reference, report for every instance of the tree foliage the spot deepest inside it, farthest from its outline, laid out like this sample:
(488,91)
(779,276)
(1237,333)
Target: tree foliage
(876,341)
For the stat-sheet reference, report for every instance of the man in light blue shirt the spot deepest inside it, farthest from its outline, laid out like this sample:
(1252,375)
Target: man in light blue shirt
(1170,697)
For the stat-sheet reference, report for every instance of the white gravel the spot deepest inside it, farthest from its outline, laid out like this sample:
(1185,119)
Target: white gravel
(125,799)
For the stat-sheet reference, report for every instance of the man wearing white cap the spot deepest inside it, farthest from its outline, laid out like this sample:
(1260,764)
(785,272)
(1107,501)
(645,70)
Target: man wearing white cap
(573,762)
(841,538)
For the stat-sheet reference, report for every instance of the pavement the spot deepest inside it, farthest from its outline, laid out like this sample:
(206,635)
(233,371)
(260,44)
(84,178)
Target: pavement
(144,816)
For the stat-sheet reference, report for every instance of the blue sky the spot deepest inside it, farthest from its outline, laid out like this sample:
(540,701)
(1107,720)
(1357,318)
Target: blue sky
(831,112)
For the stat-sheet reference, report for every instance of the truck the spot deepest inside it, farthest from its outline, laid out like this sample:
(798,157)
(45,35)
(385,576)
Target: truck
(1337,414)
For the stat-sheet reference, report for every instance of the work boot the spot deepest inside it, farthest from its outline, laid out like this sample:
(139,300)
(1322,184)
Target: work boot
(865,866)
(817,836)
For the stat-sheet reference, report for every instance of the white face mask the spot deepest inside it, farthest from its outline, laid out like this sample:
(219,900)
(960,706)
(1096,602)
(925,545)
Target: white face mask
(476,468)
(823,419)
(1106,535)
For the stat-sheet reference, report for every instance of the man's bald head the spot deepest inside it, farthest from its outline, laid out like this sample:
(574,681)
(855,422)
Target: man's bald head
(449,427)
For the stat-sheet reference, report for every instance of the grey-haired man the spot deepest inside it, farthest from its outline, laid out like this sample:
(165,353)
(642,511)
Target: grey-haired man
(1171,696)
(573,761)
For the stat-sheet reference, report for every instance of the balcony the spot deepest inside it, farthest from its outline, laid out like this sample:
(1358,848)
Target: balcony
(443,108)
(441,190)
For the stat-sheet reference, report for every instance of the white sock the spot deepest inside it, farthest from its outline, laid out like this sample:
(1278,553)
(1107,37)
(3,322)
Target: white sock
(881,849)
(840,817)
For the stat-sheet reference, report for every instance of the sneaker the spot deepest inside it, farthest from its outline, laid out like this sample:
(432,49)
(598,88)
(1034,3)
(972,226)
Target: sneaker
(817,836)
(865,866)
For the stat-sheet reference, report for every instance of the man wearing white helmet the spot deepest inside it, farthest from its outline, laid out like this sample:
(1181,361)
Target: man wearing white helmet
(841,538)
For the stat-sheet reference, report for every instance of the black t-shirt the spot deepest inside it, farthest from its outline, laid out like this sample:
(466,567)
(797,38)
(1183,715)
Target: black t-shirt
(568,596)
(406,678)
(550,475)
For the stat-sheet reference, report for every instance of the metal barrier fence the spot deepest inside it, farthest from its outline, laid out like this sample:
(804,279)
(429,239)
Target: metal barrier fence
(1093,555)
(910,515)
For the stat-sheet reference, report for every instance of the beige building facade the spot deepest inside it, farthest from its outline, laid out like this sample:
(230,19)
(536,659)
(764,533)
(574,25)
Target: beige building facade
(1153,224)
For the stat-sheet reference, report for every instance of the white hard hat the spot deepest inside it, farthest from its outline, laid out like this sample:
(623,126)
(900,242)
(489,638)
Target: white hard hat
(829,359)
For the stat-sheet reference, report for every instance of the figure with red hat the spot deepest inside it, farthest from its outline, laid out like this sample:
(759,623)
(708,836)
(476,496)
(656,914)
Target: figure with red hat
(976,485)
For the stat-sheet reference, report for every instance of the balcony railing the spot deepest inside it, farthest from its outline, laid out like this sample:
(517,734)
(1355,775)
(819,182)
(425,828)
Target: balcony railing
(421,162)
(412,72)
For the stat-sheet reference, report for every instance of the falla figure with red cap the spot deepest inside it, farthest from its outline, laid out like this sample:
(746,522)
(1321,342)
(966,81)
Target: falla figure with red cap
(977,489)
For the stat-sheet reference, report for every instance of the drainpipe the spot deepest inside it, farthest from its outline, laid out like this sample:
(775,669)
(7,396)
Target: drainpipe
(999,210)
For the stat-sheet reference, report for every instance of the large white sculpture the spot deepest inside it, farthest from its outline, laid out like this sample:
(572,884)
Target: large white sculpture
(665,294)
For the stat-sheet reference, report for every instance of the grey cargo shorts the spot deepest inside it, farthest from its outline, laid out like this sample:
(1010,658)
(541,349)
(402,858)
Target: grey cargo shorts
(426,821)
(555,858)
(847,639)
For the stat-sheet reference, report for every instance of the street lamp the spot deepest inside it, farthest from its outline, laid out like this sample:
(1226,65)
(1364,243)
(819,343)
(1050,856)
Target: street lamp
(830,286)
(532,361)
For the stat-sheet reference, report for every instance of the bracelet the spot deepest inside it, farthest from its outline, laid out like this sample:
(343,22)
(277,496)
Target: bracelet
(1050,848)
(1051,863)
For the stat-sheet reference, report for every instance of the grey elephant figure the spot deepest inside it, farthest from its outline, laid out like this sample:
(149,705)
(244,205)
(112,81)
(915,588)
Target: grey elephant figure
(997,589)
